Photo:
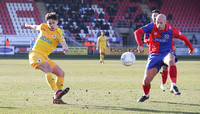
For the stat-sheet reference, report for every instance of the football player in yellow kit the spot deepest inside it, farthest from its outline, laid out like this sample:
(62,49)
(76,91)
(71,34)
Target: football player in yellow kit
(48,39)
(102,40)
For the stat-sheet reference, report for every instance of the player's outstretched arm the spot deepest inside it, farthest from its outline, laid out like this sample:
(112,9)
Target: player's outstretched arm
(97,47)
(108,43)
(182,37)
(138,39)
(36,27)
(138,34)
(64,46)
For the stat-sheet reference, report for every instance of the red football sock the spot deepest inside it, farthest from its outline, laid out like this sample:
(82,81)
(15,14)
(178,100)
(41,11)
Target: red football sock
(146,89)
(173,73)
(164,76)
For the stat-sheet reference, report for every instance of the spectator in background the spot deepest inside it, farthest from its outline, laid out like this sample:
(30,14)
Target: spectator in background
(101,15)
(134,9)
(103,5)
(92,47)
(81,11)
(87,44)
(92,18)
(194,40)
(78,37)
(169,17)
(7,42)
(107,34)
(99,33)
(32,42)
(143,19)
(111,18)
(127,15)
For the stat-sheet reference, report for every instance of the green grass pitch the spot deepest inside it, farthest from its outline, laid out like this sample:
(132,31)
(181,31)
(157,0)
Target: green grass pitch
(96,88)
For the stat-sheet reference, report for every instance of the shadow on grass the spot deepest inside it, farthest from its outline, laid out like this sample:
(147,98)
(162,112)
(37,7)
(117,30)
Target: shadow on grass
(9,107)
(176,103)
(128,109)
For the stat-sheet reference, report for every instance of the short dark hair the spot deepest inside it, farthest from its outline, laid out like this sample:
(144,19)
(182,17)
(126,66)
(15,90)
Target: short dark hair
(51,15)
(156,11)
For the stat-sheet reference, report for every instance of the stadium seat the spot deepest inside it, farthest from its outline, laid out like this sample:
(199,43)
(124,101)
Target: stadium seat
(183,13)
(19,11)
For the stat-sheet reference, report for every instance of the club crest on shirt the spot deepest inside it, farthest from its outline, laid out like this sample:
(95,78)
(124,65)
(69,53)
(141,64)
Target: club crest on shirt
(166,36)
(54,36)
(170,27)
(155,33)
(39,60)
(62,37)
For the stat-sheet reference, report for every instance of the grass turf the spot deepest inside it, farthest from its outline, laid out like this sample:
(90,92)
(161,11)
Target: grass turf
(96,88)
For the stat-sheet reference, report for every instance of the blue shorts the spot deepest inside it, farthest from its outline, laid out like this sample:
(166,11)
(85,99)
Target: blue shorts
(156,60)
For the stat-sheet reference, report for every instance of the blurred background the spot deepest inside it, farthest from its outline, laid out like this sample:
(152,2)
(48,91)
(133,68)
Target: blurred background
(83,20)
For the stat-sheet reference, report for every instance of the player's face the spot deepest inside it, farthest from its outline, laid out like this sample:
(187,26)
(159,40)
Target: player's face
(102,33)
(160,23)
(52,24)
(154,15)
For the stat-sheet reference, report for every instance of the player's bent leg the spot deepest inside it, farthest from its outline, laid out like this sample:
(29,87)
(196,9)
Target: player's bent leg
(60,76)
(46,68)
(170,60)
(149,75)
(59,82)
(58,71)
(164,77)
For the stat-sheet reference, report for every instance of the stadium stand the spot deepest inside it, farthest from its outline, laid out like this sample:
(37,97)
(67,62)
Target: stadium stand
(81,19)
(15,14)
(183,14)
(84,19)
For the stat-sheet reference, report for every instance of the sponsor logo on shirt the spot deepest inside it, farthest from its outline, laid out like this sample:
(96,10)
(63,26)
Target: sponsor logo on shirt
(162,40)
(45,39)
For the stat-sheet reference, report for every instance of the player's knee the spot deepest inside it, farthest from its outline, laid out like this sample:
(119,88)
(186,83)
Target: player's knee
(146,82)
(171,62)
(61,73)
(45,67)
(165,68)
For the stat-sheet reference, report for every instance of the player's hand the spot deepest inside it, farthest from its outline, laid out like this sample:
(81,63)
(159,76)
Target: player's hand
(140,49)
(97,48)
(174,48)
(27,25)
(65,50)
(191,52)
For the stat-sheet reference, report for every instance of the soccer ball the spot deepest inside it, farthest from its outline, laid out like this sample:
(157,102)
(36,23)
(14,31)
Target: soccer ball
(128,58)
